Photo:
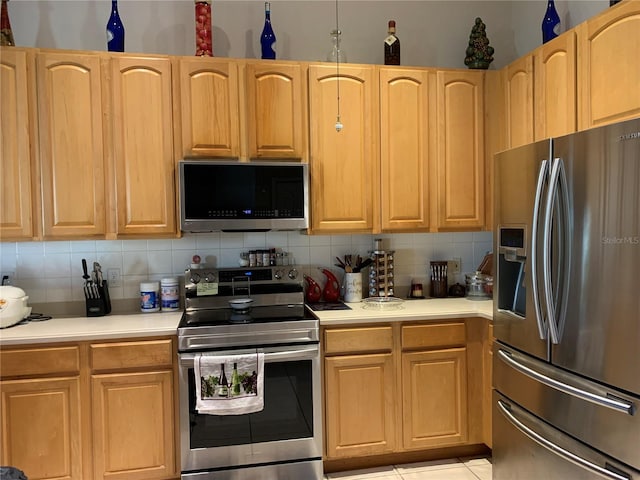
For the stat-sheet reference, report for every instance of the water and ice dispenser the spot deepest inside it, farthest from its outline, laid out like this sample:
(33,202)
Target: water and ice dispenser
(512,265)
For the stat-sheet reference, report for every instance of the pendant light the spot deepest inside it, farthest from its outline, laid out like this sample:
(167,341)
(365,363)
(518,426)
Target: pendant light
(339,125)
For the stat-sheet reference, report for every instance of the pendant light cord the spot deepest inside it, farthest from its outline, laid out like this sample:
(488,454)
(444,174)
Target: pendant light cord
(338,123)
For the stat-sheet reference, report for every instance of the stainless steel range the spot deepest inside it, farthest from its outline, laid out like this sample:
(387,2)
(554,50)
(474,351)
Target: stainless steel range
(283,440)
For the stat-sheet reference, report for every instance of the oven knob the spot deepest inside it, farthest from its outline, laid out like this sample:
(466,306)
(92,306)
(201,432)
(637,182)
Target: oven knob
(210,277)
(195,278)
(293,274)
(278,274)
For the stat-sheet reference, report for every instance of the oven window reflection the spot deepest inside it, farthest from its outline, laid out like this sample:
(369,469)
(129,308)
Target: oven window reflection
(287,413)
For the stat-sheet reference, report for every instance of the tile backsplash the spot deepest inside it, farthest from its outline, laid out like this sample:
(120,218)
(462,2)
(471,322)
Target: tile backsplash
(51,272)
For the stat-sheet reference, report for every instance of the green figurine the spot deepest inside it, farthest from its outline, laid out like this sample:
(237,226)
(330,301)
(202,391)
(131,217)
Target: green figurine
(479,53)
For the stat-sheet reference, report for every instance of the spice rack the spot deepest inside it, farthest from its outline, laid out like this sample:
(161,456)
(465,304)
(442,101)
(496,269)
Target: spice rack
(381,277)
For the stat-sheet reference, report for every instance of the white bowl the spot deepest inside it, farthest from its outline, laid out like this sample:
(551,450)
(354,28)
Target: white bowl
(241,304)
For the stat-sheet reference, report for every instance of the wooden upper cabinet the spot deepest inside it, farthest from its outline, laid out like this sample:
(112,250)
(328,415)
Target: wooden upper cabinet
(555,87)
(143,146)
(404,149)
(344,164)
(72,154)
(276,101)
(519,101)
(17,91)
(459,181)
(210,123)
(608,71)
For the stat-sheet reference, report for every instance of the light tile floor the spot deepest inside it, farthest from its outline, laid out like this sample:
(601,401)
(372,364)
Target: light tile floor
(466,468)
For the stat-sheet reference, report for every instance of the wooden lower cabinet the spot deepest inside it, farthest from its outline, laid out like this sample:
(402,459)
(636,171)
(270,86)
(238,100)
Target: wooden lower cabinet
(360,405)
(403,388)
(90,410)
(133,425)
(41,433)
(434,398)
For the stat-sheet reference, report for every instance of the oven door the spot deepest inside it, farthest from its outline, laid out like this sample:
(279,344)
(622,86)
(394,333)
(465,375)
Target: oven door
(287,429)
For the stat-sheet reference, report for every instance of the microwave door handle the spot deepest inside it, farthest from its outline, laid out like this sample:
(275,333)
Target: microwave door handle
(511,415)
(540,320)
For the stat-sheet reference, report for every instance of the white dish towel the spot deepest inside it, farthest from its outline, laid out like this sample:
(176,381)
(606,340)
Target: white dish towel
(244,396)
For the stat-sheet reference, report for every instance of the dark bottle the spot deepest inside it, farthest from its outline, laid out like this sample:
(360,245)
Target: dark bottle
(392,46)
(268,38)
(550,23)
(115,30)
(235,381)
(6,34)
(224,383)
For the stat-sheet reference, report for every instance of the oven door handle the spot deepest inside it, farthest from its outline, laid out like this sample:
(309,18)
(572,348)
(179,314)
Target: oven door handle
(305,353)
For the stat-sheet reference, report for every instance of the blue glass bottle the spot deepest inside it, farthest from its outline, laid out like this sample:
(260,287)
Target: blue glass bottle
(550,23)
(115,30)
(268,38)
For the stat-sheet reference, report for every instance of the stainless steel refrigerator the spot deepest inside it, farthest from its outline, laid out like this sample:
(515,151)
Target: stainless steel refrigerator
(566,360)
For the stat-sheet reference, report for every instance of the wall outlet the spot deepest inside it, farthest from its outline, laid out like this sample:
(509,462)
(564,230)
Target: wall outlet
(113,277)
(453,266)
(7,278)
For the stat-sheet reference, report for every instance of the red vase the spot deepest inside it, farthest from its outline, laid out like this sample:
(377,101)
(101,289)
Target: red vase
(204,40)
(6,35)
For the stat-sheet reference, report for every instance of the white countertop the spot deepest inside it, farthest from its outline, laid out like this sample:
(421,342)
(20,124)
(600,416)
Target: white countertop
(428,309)
(75,329)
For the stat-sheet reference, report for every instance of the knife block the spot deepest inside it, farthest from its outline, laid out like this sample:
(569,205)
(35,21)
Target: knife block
(439,282)
(101,306)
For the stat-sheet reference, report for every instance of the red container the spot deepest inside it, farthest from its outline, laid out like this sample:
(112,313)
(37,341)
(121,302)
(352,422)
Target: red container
(204,40)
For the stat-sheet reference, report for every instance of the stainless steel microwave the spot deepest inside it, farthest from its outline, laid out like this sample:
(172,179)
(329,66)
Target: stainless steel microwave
(241,196)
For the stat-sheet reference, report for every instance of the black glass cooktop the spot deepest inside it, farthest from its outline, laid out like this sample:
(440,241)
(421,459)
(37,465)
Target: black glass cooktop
(228,316)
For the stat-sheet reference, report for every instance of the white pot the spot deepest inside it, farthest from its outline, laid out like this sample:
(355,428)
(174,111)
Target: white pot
(13,305)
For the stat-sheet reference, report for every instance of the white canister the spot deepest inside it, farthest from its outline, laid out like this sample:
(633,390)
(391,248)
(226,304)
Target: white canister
(169,294)
(352,287)
(149,297)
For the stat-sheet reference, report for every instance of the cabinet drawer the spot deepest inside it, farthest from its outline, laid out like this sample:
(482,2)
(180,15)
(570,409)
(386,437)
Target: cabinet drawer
(142,354)
(433,335)
(40,361)
(362,339)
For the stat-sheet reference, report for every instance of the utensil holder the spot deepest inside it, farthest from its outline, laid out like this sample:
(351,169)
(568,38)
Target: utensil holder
(438,279)
(352,287)
(101,305)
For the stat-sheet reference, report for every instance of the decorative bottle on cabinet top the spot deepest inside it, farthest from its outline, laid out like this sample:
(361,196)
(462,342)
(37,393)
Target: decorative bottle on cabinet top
(204,40)
(115,30)
(337,53)
(550,23)
(392,46)
(6,34)
(268,38)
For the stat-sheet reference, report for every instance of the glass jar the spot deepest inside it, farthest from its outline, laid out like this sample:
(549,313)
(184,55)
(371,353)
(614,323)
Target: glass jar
(204,40)
(337,53)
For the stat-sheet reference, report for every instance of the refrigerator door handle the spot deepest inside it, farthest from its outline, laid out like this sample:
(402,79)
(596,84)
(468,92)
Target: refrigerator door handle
(557,183)
(513,360)
(507,411)
(540,319)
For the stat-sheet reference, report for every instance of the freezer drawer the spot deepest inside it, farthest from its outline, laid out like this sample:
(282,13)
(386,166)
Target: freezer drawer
(525,448)
(598,415)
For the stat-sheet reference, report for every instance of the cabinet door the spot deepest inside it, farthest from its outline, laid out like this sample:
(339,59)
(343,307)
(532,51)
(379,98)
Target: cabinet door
(404,149)
(460,145)
(276,110)
(434,395)
(344,164)
(41,431)
(133,418)
(143,146)
(555,87)
(17,92)
(609,46)
(72,153)
(519,101)
(360,405)
(210,122)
